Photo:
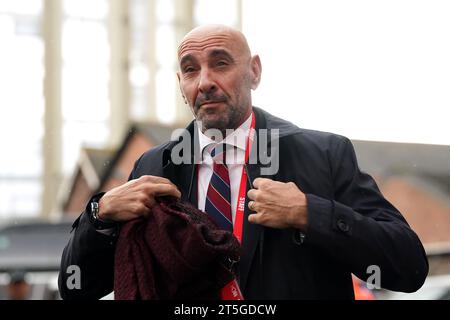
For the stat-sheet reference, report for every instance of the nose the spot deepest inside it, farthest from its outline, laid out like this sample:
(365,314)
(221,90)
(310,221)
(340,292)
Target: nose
(206,82)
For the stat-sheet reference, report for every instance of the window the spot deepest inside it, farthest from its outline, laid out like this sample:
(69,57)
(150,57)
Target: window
(22,107)
(165,82)
(139,73)
(85,77)
(152,28)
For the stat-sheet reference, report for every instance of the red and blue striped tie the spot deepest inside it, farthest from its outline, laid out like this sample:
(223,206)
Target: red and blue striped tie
(218,196)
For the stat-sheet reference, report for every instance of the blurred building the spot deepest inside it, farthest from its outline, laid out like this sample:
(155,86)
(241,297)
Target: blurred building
(93,67)
(103,169)
(416,179)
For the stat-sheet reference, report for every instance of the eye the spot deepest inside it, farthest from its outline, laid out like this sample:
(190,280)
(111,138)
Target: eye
(188,69)
(221,63)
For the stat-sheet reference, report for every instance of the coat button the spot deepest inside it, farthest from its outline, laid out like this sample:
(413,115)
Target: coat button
(343,226)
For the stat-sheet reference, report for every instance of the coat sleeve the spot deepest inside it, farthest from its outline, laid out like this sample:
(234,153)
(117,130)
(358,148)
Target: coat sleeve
(92,253)
(362,230)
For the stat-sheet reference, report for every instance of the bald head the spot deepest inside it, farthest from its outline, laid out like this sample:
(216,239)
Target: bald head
(206,36)
(216,75)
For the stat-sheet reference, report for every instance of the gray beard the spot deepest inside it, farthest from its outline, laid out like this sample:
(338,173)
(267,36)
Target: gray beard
(234,119)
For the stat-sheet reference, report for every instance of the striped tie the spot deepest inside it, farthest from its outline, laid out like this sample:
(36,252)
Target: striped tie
(218,196)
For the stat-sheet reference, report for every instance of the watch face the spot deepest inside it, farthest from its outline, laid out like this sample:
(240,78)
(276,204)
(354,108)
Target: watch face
(94,209)
(99,224)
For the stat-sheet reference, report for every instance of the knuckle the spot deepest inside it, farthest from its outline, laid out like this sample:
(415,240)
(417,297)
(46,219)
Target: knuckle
(138,208)
(151,186)
(131,183)
(261,218)
(144,187)
(165,180)
(264,185)
(168,188)
(142,197)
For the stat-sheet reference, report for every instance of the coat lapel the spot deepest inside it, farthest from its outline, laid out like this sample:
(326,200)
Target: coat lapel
(183,176)
(253,234)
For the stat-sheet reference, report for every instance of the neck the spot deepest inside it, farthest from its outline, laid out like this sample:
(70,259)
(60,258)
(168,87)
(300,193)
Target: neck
(244,118)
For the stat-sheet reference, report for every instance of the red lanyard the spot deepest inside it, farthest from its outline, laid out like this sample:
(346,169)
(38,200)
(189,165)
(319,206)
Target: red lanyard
(232,291)
(240,207)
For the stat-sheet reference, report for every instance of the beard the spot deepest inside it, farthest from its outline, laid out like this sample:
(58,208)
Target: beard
(226,116)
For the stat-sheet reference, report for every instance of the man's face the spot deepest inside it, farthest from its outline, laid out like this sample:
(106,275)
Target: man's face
(216,78)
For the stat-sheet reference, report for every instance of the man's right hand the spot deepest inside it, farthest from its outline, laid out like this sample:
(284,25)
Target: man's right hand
(135,198)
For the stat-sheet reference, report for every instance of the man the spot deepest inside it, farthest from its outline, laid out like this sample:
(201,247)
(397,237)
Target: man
(306,226)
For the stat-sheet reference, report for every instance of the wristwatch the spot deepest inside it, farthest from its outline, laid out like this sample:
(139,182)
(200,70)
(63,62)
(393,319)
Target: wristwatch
(93,210)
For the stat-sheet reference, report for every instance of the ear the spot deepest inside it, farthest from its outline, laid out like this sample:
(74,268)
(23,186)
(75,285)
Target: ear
(181,90)
(256,67)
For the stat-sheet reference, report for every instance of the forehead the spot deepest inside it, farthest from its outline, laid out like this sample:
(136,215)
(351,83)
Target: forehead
(197,45)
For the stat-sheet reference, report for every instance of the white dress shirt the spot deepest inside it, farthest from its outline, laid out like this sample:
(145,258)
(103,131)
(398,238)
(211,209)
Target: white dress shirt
(234,159)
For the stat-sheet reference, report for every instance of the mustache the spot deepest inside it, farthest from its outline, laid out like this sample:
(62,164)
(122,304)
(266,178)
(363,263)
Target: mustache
(210,98)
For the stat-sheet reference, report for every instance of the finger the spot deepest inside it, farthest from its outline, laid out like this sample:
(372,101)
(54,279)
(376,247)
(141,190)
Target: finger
(150,202)
(146,180)
(137,210)
(155,179)
(260,181)
(253,194)
(143,209)
(149,186)
(164,189)
(147,213)
(255,218)
(251,205)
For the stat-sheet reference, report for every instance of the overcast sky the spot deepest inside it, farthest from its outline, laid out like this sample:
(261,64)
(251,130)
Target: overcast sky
(375,70)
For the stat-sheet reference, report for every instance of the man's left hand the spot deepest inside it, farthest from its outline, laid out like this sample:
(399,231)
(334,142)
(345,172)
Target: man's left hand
(277,204)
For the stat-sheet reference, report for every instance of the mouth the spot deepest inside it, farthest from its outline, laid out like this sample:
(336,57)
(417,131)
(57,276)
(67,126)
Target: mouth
(211,104)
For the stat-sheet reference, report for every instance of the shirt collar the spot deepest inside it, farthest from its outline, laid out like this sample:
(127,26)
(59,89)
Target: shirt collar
(237,138)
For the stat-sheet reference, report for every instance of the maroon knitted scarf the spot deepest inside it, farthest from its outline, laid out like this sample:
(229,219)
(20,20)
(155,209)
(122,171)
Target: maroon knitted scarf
(176,253)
